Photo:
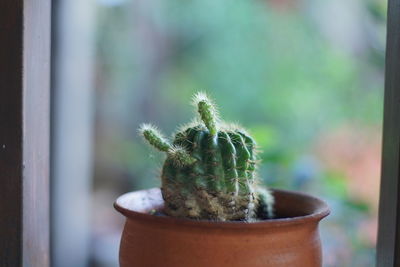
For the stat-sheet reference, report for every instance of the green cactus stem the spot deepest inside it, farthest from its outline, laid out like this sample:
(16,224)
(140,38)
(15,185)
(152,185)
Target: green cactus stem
(210,169)
(155,138)
(207,112)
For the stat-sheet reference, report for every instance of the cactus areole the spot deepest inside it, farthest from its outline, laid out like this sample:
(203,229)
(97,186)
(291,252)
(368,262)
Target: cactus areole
(210,169)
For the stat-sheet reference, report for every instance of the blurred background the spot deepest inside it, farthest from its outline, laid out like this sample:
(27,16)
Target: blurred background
(304,76)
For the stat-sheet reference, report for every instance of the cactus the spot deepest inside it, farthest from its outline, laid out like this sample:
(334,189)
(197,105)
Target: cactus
(210,169)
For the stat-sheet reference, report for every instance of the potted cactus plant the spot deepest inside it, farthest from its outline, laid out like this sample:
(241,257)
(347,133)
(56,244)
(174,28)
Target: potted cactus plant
(211,209)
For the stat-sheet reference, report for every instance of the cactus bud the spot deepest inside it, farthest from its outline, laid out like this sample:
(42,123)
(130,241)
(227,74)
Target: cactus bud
(207,112)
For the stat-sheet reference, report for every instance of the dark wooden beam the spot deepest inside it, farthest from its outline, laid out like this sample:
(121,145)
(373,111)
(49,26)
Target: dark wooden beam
(388,248)
(24,132)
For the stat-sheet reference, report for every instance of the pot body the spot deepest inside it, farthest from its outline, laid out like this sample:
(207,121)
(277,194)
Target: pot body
(151,240)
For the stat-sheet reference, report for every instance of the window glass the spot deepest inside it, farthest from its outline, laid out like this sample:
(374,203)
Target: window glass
(305,77)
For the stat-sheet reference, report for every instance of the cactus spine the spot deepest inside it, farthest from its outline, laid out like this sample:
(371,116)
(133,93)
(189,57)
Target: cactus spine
(210,169)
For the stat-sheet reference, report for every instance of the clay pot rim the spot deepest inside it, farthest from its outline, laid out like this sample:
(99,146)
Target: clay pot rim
(320,211)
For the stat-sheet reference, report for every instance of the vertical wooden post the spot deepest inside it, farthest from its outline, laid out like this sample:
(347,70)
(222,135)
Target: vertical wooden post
(388,249)
(24,132)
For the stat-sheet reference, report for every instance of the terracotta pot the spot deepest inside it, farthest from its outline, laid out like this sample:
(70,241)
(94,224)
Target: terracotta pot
(151,240)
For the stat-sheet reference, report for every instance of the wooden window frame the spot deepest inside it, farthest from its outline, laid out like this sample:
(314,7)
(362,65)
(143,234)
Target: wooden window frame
(388,251)
(24,132)
(25,30)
